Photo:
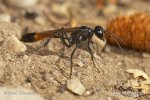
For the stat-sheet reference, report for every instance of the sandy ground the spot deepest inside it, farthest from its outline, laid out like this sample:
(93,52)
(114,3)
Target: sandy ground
(45,71)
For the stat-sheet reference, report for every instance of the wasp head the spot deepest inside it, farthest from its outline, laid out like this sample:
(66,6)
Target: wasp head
(99,32)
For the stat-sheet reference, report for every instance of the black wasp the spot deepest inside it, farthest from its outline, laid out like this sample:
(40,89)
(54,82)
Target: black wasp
(77,35)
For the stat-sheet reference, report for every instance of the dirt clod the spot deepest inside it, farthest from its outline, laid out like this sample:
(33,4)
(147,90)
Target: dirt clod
(14,45)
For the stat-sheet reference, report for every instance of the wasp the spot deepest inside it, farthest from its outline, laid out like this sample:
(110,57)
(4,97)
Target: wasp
(77,35)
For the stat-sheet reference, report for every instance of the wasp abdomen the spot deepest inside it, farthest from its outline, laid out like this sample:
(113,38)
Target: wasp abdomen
(30,37)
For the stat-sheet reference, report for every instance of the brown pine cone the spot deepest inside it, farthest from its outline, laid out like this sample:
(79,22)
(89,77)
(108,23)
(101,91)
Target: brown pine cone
(134,30)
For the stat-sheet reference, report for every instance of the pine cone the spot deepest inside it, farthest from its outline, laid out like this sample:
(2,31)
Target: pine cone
(134,30)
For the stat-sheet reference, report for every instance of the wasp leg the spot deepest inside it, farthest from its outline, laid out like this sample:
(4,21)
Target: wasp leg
(44,45)
(77,45)
(104,62)
(62,38)
(90,51)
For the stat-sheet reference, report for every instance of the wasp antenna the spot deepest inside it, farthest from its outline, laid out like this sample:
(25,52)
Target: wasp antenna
(113,35)
(119,45)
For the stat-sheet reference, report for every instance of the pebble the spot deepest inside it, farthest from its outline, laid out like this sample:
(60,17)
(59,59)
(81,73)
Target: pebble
(4,17)
(25,57)
(107,49)
(60,9)
(18,93)
(75,86)
(21,3)
(109,10)
(109,98)
(60,13)
(79,62)
(40,20)
(31,14)
(89,92)
(62,88)
(124,2)
(145,55)
(14,45)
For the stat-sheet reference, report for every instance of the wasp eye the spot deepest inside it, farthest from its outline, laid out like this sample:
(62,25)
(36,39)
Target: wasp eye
(100,32)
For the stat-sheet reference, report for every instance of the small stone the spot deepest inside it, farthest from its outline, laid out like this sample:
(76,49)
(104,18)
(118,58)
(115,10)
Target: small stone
(62,88)
(119,63)
(107,49)
(75,86)
(89,92)
(21,3)
(62,8)
(31,14)
(4,17)
(25,57)
(28,79)
(79,62)
(109,98)
(14,45)
(109,10)
(145,55)
(124,2)
(40,20)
